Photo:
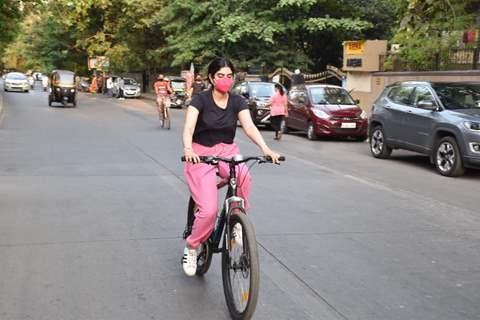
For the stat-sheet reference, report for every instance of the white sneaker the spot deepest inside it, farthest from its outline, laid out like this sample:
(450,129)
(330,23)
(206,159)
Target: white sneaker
(189,261)
(237,234)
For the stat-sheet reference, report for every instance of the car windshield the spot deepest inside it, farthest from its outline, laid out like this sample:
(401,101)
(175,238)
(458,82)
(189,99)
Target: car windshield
(16,76)
(326,95)
(458,96)
(262,89)
(129,82)
(178,85)
(66,78)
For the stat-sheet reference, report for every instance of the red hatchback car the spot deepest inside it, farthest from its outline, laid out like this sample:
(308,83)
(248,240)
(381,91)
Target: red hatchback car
(325,110)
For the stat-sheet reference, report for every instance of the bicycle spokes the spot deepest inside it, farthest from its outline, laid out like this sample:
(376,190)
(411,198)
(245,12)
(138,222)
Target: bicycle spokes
(239,265)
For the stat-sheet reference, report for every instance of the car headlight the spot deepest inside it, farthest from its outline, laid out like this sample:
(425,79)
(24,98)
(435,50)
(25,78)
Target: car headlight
(58,89)
(363,115)
(474,126)
(321,114)
(72,90)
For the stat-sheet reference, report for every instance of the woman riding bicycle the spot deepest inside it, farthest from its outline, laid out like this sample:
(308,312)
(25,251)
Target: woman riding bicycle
(210,125)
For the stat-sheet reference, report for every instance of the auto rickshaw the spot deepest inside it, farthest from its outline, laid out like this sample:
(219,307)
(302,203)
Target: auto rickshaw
(178,95)
(62,88)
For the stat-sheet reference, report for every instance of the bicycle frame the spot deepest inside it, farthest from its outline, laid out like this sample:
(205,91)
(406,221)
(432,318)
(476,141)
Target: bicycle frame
(232,201)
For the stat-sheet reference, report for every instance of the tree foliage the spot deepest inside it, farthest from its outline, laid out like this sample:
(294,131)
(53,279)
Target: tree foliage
(429,27)
(154,34)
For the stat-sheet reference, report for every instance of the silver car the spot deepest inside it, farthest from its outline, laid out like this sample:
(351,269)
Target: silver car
(126,87)
(16,81)
(441,120)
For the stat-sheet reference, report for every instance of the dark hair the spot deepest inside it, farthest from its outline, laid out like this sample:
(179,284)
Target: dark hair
(280,88)
(217,64)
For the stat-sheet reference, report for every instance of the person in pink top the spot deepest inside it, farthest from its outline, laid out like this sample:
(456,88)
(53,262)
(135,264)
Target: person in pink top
(278,110)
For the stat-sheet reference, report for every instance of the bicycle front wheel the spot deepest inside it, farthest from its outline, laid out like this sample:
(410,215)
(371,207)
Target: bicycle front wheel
(240,267)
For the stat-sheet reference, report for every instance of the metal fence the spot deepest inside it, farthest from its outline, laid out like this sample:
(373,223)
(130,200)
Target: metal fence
(446,60)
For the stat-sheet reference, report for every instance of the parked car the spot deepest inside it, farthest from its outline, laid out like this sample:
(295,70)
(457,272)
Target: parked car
(257,93)
(325,110)
(441,120)
(126,87)
(178,95)
(16,81)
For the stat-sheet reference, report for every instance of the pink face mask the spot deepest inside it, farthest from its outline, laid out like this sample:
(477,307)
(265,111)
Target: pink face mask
(223,84)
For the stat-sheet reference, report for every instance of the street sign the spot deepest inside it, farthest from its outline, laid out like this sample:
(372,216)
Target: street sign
(92,63)
(354,47)
(98,62)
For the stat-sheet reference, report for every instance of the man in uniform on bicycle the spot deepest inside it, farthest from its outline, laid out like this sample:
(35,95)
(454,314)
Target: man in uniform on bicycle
(163,91)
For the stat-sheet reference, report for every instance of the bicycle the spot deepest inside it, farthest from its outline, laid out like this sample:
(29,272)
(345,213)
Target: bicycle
(164,116)
(240,266)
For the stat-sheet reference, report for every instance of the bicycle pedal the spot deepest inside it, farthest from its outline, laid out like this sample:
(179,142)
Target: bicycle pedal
(187,232)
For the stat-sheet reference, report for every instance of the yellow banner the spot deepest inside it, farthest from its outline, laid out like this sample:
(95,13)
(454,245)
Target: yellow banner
(354,47)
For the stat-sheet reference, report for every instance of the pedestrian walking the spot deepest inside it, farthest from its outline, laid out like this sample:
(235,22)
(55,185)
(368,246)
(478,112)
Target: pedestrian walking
(121,84)
(93,86)
(109,86)
(278,110)
(197,86)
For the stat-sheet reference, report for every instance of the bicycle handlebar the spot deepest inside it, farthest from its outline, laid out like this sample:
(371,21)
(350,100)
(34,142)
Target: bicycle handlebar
(235,159)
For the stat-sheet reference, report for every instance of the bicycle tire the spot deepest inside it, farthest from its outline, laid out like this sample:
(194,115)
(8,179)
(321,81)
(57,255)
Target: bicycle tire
(167,117)
(250,254)
(161,119)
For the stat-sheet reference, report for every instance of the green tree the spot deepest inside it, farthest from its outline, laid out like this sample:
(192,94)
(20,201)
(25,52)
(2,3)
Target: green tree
(431,27)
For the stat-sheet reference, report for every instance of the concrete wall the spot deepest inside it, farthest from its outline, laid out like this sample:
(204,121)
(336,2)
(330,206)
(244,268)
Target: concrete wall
(369,53)
(379,80)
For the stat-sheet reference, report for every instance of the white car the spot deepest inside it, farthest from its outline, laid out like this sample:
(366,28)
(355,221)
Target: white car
(16,81)
(126,87)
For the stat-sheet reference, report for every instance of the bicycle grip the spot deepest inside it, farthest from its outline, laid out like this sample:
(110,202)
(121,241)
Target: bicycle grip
(281,158)
(202,158)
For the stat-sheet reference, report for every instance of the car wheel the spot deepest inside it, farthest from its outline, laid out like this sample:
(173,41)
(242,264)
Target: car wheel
(311,135)
(378,144)
(283,126)
(74,103)
(49,101)
(447,158)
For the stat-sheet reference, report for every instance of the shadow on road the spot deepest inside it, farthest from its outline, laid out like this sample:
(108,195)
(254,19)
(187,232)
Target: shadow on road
(423,161)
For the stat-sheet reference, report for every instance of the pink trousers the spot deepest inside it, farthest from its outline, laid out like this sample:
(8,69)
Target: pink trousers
(202,182)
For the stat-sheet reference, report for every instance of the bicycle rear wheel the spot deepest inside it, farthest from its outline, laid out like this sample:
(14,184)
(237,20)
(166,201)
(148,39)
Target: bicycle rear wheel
(240,268)
(167,118)
(161,118)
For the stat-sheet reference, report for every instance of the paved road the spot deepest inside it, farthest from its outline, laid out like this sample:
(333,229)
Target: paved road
(92,205)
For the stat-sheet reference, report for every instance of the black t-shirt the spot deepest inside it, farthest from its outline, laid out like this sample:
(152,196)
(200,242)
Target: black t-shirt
(216,125)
